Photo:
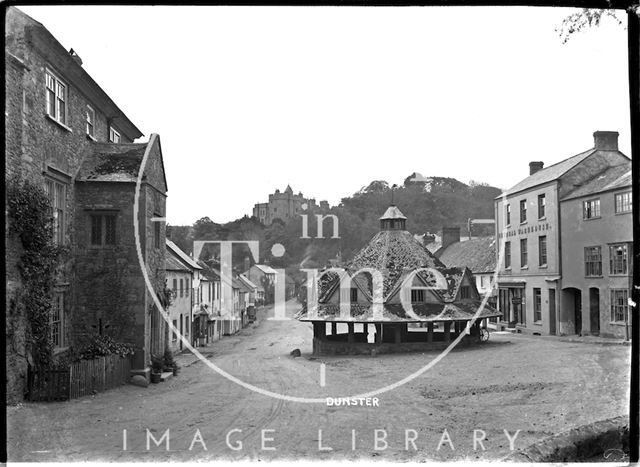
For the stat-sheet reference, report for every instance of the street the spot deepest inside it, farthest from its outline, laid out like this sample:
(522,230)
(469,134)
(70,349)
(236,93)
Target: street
(538,385)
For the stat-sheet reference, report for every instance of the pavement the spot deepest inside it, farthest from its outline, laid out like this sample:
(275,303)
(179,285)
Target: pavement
(581,339)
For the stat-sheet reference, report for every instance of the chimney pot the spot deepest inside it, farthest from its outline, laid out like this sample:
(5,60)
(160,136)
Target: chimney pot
(605,140)
(534,166)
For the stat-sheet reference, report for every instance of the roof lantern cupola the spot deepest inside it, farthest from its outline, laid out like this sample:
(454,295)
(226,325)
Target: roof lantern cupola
(393,219)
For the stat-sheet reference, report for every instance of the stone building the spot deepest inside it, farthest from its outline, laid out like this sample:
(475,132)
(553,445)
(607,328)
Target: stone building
(376,312)
(285,206)
(64,133)
(529,220)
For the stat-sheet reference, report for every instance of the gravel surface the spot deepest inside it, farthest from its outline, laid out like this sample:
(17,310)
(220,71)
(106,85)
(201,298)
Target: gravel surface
(539,386)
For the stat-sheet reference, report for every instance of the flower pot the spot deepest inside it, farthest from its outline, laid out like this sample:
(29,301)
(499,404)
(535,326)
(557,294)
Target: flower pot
(175,371)
(155,377)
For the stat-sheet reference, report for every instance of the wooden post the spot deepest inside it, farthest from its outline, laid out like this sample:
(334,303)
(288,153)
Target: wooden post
(447,331)
(334,328)
(378,333)
(365,329)
(429,332)
(350,335)
(398,333)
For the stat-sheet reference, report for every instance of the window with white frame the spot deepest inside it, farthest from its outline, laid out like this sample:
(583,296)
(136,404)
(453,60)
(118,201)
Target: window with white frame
(591,209)
(523,211)
(57,320)
(56,97)
(114,136)
(592,261)
(91,121)
(537,304)
(542,250)
(507,255)
(57,193)
(508,213)
(618,259)
(623,202)
(619,305)
(542,206)
(524,257)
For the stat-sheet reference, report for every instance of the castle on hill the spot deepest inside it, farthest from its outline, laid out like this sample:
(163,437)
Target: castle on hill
(285,206)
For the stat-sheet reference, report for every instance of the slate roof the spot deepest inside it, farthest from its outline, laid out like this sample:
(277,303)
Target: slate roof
(611,178)
(392,212)
(477,254)
(113,162)
(182,255)
(247,282)
(171,263)
(550,173)
(265,269)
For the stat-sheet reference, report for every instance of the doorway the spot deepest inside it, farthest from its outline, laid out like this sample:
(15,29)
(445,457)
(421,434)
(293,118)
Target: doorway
(552,312)
(594,310)
(577,311)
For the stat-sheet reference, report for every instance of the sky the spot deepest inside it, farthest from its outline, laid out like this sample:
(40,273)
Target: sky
(328,99)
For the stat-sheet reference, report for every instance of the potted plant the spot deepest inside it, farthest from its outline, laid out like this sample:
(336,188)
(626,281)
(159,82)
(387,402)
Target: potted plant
(176,368)
(156,368)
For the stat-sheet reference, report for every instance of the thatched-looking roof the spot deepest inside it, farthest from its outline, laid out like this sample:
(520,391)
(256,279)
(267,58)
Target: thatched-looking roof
(396,254)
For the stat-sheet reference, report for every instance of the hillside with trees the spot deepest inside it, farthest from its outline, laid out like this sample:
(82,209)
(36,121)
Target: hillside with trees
(428,202)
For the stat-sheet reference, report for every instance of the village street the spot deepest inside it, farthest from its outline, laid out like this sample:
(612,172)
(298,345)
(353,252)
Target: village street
(539,385)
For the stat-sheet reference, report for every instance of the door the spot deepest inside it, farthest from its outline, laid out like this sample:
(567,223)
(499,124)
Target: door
(552,312)
(594,310)
(577,310)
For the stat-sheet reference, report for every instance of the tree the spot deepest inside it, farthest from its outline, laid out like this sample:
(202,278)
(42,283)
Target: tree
(584,19)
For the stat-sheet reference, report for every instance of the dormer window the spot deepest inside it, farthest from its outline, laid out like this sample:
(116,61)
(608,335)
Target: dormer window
(417,295)
(56,98)
(114,136)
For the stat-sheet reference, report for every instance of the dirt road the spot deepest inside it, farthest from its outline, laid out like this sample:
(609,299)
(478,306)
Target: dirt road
(538,385)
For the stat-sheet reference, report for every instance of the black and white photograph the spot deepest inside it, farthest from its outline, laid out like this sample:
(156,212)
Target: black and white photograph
(390,233)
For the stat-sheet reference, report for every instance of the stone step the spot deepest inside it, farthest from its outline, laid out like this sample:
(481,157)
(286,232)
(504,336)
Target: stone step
(166,375)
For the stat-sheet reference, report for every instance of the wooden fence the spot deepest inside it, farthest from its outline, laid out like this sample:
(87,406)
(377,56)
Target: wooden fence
(82,378)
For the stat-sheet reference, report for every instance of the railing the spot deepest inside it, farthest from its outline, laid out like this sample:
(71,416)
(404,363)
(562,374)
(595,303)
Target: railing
(79,379)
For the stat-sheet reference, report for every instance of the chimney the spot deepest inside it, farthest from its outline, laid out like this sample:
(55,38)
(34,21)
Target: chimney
(450,235)
(605,140)
(534,166)
(75,57)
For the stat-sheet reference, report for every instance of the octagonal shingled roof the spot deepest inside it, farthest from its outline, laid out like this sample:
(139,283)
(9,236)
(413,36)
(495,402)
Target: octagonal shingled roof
(391,252)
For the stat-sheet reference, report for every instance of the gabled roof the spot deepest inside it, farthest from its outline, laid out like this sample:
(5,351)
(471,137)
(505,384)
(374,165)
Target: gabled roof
(611,178)
(171,263)
(265,269)
(477,254)
(549,174)
(247,282)
(112,162)
(393,212)
(18,22)
(189,262)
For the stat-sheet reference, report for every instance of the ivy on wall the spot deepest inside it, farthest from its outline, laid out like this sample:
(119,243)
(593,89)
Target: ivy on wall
(29,212)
